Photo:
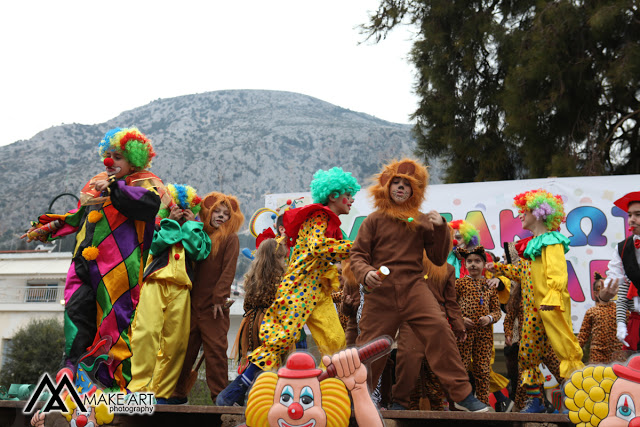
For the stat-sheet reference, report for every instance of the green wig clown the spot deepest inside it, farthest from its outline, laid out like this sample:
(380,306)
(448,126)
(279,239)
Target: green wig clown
(333,182)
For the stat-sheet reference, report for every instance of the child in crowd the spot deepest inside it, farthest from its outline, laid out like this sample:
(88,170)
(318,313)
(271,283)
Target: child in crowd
(480,309)
(115,225)
(304,296)
(162,318)
(599,326)
(214,276)
(466,235)
(545,297)
(260,286)
(395,235)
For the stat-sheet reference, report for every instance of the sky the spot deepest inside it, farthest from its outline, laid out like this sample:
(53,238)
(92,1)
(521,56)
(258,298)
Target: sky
(88,61)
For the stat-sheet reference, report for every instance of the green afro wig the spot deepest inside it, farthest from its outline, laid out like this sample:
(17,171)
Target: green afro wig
(333,182)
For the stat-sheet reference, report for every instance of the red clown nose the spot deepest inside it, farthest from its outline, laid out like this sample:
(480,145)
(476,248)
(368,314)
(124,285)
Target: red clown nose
(108,162)
(295,411)
(455,242)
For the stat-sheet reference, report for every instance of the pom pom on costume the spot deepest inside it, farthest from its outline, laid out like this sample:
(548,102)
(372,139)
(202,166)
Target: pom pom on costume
(94,216)
(470,234)
(131,143)
(184,196)
(543,205)
(333,182)
(417,176)
(90,253)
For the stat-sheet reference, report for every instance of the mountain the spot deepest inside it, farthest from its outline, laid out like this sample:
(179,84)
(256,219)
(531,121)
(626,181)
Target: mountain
(244,142)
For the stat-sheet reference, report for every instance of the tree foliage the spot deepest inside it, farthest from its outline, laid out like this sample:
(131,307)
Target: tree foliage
(35,349)
(523,89)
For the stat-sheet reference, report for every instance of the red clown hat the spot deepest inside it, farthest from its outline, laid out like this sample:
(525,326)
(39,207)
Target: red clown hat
(630,372)
(624,201)
(266,234)
(300,365)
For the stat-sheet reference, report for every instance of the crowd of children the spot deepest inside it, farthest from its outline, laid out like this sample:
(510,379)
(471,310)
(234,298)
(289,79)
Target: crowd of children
(151,274)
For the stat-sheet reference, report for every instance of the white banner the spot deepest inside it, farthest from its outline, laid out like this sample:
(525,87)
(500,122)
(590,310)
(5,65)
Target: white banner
(594,225)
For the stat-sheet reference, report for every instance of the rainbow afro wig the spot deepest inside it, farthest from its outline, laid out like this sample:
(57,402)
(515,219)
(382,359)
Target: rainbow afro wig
(470,234)
(134,146)
(184,196)
(543,205)
(333,182)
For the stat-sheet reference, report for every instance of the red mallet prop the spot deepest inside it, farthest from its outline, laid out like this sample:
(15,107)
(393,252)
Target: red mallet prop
(367,353)
(108,162)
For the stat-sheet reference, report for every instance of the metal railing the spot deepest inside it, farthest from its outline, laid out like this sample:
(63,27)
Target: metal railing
(31,294)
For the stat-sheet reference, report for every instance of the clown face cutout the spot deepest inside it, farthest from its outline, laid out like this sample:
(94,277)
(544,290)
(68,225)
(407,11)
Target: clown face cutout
(298,403)
(624,400)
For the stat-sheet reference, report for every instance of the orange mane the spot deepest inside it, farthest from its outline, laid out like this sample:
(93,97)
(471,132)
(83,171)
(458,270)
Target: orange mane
(409,169)
(218,235)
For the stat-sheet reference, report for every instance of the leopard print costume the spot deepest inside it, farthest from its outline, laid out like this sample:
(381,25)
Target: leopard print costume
(599,325)
(477,300)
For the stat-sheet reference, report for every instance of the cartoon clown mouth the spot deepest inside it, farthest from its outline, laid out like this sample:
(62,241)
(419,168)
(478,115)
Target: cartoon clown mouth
(283,423)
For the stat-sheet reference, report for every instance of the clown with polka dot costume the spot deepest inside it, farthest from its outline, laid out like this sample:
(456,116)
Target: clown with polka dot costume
(304,295)
(545,297)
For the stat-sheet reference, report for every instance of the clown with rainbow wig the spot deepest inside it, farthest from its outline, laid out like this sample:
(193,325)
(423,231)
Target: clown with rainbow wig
(163,315)
(114,225)
(542,273)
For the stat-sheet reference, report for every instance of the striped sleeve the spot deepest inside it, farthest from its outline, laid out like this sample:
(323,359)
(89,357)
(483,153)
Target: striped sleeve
(623,303)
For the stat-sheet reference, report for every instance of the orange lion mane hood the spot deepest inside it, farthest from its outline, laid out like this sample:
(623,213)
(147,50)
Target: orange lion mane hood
(409,169)
(218,235)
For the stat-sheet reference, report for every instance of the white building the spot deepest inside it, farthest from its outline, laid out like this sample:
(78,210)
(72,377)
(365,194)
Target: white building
(32,287)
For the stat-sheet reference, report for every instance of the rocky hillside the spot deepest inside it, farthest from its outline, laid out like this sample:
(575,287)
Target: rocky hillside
(244,142)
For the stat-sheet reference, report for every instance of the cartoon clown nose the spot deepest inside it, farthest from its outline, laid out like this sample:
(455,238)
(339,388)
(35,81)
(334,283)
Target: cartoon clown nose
(299,365)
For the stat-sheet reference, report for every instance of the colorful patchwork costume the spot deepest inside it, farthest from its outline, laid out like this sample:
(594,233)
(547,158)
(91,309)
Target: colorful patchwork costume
(114,233)
(162,318)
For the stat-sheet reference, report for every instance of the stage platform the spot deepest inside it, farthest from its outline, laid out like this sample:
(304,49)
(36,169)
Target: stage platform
(212,416)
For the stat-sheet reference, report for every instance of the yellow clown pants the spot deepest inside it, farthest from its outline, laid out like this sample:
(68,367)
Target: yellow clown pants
(283,322)
(159,337)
